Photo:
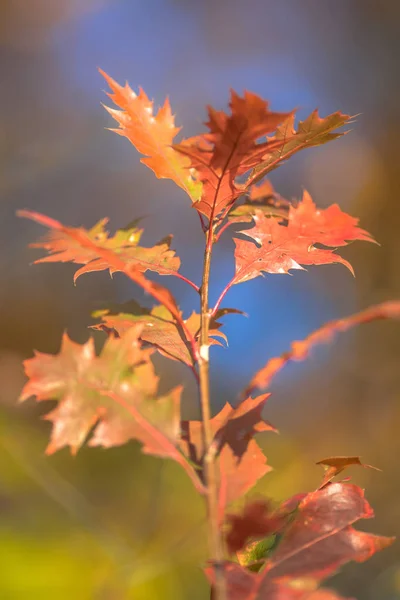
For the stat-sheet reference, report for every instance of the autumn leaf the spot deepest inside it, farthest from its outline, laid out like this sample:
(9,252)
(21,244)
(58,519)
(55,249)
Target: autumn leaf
(257,520)
(152,134)
(230,148)
(160,328)
(64,247)
(284,247)
(261,197)
(314,131)
(242,584)
(107,399)
(337,464)
(241,462)
(320,538)
(300,349)
(314,543)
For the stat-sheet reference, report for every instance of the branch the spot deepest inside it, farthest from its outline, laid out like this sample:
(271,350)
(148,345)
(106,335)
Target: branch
(300,349)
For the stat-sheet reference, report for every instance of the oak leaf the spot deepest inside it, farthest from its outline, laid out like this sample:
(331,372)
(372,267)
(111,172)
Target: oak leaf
(107,399)
(241,462)
(316,541)
(160,328)
(242,584)
(63,247)
(313,131)
(152,134)
(284,247)
(257,520)
(261,197)
(230,148)
(334,465)
(321,538)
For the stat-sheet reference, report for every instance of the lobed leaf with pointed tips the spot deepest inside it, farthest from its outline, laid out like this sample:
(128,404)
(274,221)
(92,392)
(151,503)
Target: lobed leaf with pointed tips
(230,148)
(160,328)
(313,131)
(282,247)
(241,463)
(62,247)
(152,135)
(107,399)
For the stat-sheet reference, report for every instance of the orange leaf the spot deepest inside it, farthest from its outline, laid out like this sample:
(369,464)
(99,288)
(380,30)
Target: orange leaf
(336,464)
(160,328)
(64,244)
(152,135)
(285,247)
(314,131)
(230,148)
(241,462)
(110,398)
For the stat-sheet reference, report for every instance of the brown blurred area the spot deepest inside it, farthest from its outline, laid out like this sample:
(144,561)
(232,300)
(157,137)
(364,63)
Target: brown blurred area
(116,524)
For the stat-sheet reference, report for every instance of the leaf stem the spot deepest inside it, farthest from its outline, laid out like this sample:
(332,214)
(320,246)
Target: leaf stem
(210,466)
(188,281)
(221,297)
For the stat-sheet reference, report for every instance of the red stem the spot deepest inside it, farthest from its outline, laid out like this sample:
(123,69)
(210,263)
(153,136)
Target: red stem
(221,297)
(188,281)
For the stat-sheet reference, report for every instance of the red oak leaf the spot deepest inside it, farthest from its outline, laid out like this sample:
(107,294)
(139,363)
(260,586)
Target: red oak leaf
(110,398)
(160,328)
(261,197)
(230,148)
(152,135)
(314,131)
(240,460)
(315,541)
(320,538)
(257,520)
(284,247)
(335,465)
(241,584)
(63,247)
(301,349)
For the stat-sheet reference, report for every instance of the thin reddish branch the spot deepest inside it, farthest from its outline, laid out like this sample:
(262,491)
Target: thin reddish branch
(188,281)
(300,349)
(221,231)
(203,225)
(221,297)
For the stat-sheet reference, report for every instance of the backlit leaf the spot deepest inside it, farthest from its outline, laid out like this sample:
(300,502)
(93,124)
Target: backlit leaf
(281,247)
(152,134)
(160,328)
(315,542)
(335,465)
(107,399)
(241,462)
(234,144)
(62,247)
(313,131)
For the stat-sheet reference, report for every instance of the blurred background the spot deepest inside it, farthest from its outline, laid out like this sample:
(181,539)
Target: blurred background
(116,524)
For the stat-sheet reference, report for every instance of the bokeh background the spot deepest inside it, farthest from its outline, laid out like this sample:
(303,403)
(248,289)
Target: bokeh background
(115,524)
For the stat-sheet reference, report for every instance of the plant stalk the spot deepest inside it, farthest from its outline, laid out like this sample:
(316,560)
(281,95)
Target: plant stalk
(210,465)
